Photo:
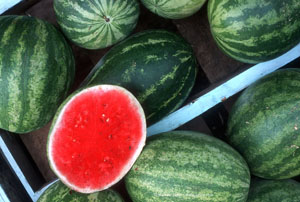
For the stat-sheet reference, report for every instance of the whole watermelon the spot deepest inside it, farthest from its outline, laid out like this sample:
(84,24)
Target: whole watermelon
(173,9)
(95,24)
(274,191)
(157,66)
(58,192)
(36,72)
(264,125)
(253,31)
(185,166)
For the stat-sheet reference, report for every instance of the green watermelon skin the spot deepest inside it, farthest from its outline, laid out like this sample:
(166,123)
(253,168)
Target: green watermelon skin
(255,31)
(95,24)
(264,125)
(37,69)
(188,166)
(274,191)
(58,192)
(157,66)
(173,9)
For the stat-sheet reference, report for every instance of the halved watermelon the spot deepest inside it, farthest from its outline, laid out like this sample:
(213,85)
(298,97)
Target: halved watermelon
(96,136)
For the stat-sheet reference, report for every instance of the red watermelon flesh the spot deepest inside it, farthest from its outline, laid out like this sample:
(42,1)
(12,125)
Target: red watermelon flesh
(97,136)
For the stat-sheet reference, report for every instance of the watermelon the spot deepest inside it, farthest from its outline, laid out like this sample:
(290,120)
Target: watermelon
(94,24)
(173,9)
(157,66)
(188,166)
(264,122)
(36,68)
(96,136)
(253,31)
(58,192)
(274,191)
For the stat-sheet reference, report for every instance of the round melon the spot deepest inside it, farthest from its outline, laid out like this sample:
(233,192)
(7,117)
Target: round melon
(188,166)
(95,24)
(274,191)
(254,31)
(264,125)
(173,9)
(157,66)
(58,192)
(96,136)
(36,71)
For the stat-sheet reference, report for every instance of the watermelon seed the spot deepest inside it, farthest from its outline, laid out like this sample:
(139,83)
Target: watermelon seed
(76,126)
(296,127)
(74,140)
(107,120)
(129,147)
(110,136)
(103,115)
(70,192)
(136,168)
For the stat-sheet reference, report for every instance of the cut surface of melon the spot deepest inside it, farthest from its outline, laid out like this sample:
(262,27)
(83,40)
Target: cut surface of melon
(96,138)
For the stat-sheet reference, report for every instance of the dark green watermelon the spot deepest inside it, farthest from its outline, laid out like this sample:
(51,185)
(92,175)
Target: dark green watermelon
(157,66)
(264,125)
(274,191)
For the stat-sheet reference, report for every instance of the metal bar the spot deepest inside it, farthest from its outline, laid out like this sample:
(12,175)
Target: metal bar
(40,192)
(3,197)
(16,169)
(224,91)
(7,4)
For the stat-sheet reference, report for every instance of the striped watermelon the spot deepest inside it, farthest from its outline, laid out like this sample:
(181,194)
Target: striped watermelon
(36,69)
(95,24)
(96,136)
(173,9)
(157,66)
(274,191)
(58,192)
(264,125)
(254,31)
(188,166)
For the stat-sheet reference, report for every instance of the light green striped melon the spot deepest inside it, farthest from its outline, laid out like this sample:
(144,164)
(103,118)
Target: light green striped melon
(254,31)
(36,71)
(173,9)
(58,192)
(185,166)
(95,24)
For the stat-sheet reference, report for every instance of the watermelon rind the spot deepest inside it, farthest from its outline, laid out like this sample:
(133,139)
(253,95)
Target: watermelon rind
(263,125)
(188,166)
(95,24)
(37,69)
(56,123)
(157,66)
(274,191)
(253,31)
(173,9)
(58,192)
